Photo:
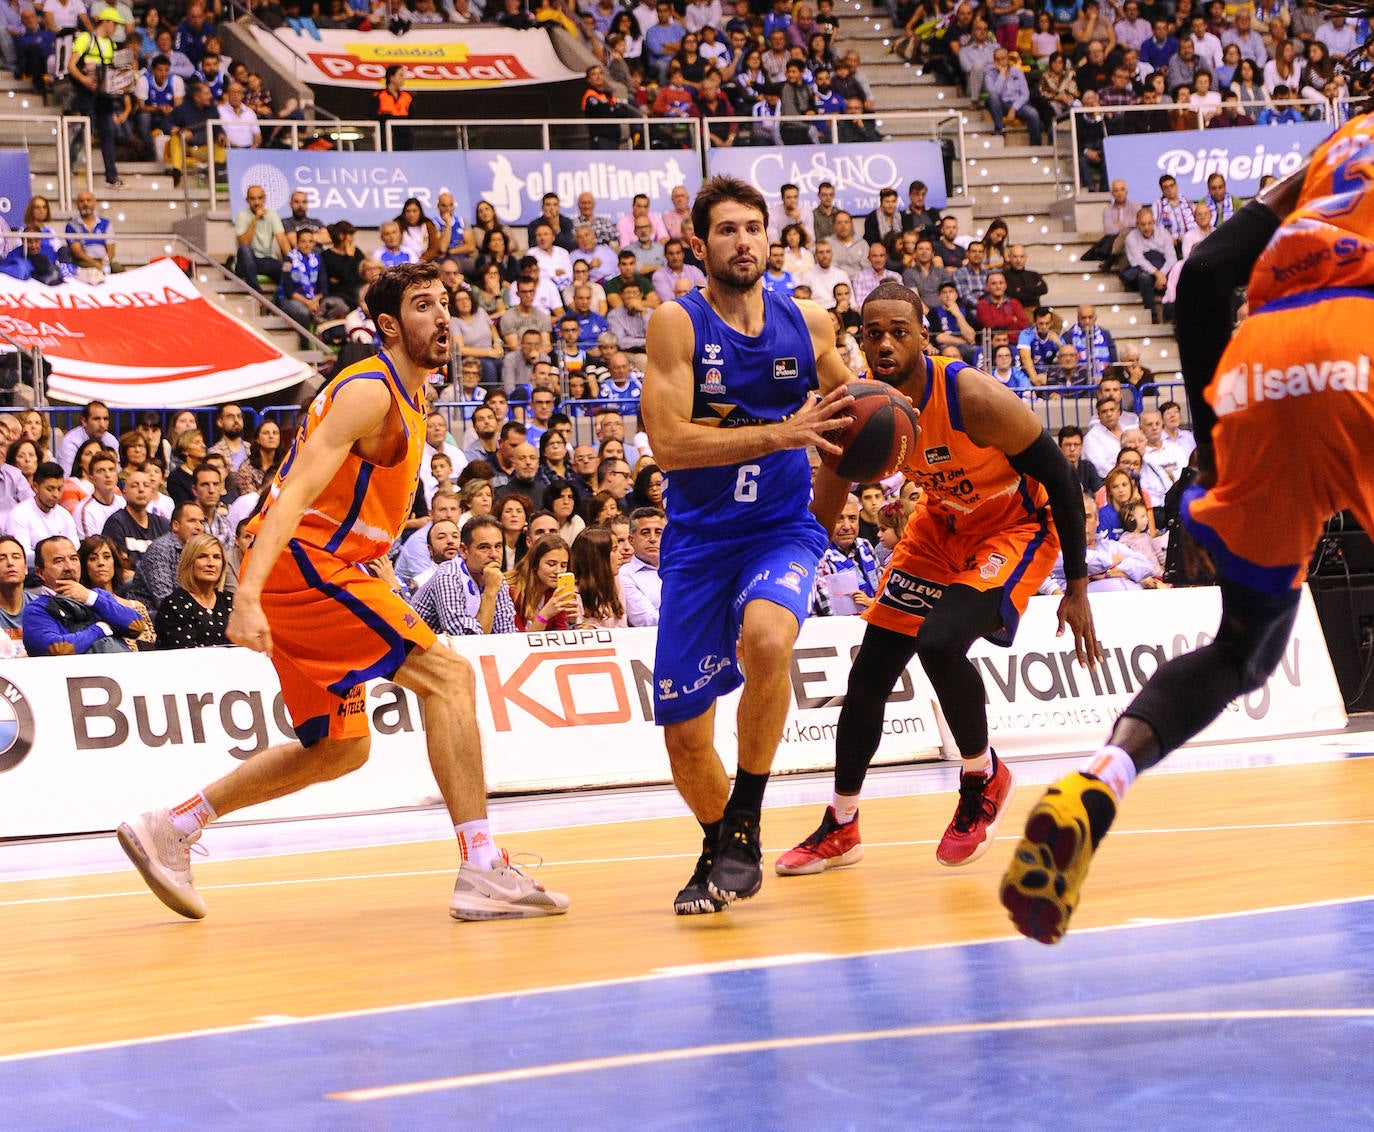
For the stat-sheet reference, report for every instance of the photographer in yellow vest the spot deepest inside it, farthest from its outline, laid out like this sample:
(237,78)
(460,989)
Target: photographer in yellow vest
(92,69)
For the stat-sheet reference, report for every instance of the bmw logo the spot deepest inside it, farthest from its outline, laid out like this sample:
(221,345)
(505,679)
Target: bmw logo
(16,726)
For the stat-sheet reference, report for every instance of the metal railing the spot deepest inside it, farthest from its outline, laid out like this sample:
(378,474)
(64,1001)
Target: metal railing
(1321,110)
(539,133)
(35,356)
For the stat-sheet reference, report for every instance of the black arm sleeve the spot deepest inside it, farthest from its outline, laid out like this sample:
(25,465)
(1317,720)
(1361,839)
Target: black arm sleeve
(1218,265)
(1045,463)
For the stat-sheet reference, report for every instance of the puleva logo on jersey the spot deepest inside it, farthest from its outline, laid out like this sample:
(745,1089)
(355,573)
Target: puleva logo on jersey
(910,594)
(785,368)
(1253,382)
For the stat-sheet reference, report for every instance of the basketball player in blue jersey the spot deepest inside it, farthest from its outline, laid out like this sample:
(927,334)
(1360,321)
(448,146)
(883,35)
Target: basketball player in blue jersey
(739,383)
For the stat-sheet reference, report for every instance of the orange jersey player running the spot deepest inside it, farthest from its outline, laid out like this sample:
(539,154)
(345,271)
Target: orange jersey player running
(308,599)
(999,499)
(1284,418)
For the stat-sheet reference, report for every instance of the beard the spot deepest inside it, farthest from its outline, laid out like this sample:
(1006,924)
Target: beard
(734,276)
(425,348)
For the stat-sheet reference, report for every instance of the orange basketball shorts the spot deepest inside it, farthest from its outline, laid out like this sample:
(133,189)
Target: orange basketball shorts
(334,627)
(1014,558)
(1294,437)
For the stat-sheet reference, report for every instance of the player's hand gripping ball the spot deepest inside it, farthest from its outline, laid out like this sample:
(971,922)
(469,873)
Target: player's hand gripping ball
(879,438)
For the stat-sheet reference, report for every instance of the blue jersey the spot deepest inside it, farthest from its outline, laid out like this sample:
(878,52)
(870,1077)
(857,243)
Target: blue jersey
(739,380)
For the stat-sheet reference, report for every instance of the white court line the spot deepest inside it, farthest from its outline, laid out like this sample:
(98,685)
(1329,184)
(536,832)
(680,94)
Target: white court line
(340,878)
(631,980)
(765,1045)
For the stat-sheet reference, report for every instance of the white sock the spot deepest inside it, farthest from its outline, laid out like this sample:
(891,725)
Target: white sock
(1113,767)
(846,808)
(475,843)
(193,815)
(979,764)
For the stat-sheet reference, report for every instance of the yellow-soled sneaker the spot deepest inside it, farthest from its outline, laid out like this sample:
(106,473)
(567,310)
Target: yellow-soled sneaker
(1042,884)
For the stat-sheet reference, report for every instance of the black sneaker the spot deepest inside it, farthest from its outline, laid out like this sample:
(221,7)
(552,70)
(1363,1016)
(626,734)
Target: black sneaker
(738,871)
(694,899)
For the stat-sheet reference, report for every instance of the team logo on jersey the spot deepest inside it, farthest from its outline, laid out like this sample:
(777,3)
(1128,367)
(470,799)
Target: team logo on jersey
(937,455)
(792,580)
(907,593)
(800,569)
(710,666)
(713,383)
(712,352)
(992,566)
(785,369)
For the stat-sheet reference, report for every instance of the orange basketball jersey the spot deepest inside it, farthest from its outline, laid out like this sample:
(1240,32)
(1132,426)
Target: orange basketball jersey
(965,484)
(360,512)
(1326,243)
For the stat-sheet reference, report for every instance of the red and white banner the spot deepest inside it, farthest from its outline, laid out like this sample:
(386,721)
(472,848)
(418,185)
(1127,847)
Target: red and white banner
(85,742)
(144,338)
(451,58)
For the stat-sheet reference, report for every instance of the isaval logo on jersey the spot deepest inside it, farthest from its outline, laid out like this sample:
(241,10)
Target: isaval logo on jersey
(713,384)
(711,353)
(784,369)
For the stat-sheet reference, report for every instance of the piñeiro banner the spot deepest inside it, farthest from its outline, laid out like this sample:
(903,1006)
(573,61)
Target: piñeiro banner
(859,171)
(1243,155)
(142,339)
(439,59)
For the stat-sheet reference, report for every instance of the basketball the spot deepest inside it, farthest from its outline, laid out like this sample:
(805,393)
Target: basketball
(879,438)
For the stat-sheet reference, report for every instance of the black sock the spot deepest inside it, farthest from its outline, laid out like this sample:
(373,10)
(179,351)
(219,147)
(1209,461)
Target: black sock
(711,831)
(748,792)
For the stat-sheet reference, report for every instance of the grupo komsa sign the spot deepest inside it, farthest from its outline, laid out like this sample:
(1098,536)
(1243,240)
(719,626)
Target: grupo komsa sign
(455,58)
(82,743)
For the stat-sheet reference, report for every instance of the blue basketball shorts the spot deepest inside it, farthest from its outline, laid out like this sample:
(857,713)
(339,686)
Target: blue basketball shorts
(706,586)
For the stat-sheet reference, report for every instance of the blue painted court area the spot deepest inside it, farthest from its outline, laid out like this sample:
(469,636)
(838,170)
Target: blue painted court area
(1258,1021)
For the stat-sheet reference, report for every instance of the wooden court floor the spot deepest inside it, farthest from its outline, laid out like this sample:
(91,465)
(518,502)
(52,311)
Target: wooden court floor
(96,959)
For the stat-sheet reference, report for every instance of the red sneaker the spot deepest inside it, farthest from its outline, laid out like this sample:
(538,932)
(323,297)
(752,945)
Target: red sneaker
(982,801)
(830,847)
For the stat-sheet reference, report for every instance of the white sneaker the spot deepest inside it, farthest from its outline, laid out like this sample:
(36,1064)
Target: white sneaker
(502,892)
(163,857)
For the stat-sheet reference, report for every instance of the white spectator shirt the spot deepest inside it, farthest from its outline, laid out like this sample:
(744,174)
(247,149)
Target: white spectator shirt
(31,525)
(241,129)
(822,281)
(1163,466)
(554,264)
(643,590)
(90,514)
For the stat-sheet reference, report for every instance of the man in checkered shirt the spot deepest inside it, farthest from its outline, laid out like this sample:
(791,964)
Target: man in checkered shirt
(468,595)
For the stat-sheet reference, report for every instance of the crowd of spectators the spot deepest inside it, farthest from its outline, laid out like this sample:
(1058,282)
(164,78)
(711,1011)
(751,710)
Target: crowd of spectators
(1140,67)
(177,78)
(549,323)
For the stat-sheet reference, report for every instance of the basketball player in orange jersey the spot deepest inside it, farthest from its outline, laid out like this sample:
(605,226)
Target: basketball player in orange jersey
(1284,418)
(1000,500)
(307,600)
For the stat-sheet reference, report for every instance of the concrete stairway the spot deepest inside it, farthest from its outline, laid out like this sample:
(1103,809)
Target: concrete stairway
(1031,188)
